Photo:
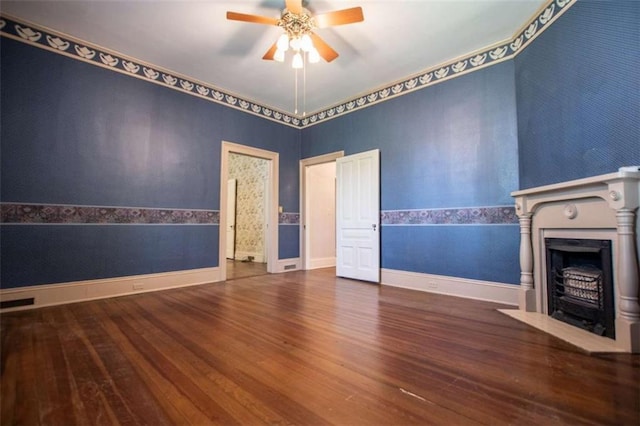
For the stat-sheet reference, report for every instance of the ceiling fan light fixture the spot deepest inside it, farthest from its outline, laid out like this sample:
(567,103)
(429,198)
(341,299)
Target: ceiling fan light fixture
(278,56)
(305,43)
(314,56)
(297,61)
(283,42)
(299,27)
(295,44)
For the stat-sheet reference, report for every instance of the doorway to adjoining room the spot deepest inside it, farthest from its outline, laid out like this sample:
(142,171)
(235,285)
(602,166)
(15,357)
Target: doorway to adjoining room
(247,216)
(317,211)
(248,244)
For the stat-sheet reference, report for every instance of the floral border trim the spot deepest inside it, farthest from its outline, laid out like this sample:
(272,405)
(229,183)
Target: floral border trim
(288,218)
(63,44)
(448,70)
(66,45)
(25,213)
(67,214)
(499,215)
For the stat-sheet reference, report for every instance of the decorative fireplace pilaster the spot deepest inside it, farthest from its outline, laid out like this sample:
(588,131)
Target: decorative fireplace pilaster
(627,265)
(527,299)
(604,205)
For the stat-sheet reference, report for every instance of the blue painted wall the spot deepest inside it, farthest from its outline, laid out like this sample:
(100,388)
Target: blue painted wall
(578,94)
(566,107)
(42,254)
(77,134)
(449,145)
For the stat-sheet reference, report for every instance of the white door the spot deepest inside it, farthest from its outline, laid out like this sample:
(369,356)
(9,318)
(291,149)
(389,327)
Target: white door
(358,216)
(231,217)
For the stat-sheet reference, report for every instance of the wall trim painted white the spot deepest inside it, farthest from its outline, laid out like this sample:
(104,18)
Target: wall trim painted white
(325,262)
(288,265)
(80,291)
(452,286)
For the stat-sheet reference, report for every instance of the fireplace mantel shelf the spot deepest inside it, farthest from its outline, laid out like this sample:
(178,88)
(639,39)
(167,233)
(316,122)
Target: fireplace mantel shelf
(619,189)
(579,183)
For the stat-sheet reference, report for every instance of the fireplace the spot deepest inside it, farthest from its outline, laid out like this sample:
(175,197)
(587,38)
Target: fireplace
(580,284)
(579,260)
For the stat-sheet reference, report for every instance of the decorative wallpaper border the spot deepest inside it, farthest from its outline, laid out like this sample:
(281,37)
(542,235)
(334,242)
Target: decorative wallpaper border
(27,213)
(68,214)
(288,218)
(498,215)
(463,65)
(63,44)
(54,41)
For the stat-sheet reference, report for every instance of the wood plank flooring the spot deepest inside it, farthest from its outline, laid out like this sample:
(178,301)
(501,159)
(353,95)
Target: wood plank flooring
(301,348)
(239,269)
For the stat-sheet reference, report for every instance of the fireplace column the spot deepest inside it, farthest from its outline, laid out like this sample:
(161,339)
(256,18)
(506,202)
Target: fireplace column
(627,266)
(527,297)
(625,200)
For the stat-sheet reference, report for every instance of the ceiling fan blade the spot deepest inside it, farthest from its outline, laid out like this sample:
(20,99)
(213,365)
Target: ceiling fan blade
(339,17)
(323,48)
(294,6)
(272,51)
(235,16)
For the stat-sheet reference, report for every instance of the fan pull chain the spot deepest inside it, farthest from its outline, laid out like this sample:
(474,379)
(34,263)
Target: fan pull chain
(304,84)
(295,91)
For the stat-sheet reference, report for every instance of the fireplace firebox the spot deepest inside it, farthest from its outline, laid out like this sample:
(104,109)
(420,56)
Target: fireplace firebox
(580,284)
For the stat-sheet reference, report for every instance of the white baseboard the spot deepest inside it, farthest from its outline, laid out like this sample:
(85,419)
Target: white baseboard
(452,286)
(325,262)
(79,291)
(243,255)
(288,265)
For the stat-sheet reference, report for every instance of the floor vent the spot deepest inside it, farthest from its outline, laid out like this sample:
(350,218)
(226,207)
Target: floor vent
(287,267)
(6,304)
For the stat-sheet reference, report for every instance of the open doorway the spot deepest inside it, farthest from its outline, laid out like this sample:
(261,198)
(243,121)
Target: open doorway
(247,218)
(247,227)
(317,211)
(253,229)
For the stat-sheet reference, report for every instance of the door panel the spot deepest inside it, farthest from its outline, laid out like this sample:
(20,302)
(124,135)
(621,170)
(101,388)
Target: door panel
(358,216)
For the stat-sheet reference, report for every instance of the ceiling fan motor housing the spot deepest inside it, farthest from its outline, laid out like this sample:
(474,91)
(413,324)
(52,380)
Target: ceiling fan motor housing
(297,24)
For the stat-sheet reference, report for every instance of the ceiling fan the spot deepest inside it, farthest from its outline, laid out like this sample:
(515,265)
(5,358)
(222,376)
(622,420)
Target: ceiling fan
(299,25)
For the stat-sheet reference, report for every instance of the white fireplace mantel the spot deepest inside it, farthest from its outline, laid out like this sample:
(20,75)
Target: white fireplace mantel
(603,205)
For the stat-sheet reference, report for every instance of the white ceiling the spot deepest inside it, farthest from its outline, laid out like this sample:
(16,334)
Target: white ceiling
(397,39)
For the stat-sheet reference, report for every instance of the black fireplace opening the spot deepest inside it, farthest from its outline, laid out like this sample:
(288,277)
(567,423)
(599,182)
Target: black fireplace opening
(580,284)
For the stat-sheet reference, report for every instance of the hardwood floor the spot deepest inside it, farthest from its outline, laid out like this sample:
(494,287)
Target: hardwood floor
(301,348)
(239,269)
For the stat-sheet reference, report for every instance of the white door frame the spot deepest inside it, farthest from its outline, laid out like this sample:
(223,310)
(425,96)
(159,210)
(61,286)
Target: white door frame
(312,161)
(231,217)
(271,241)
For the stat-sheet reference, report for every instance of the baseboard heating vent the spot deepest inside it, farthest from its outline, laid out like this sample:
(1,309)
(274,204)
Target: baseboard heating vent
(287,267)
(6,304)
